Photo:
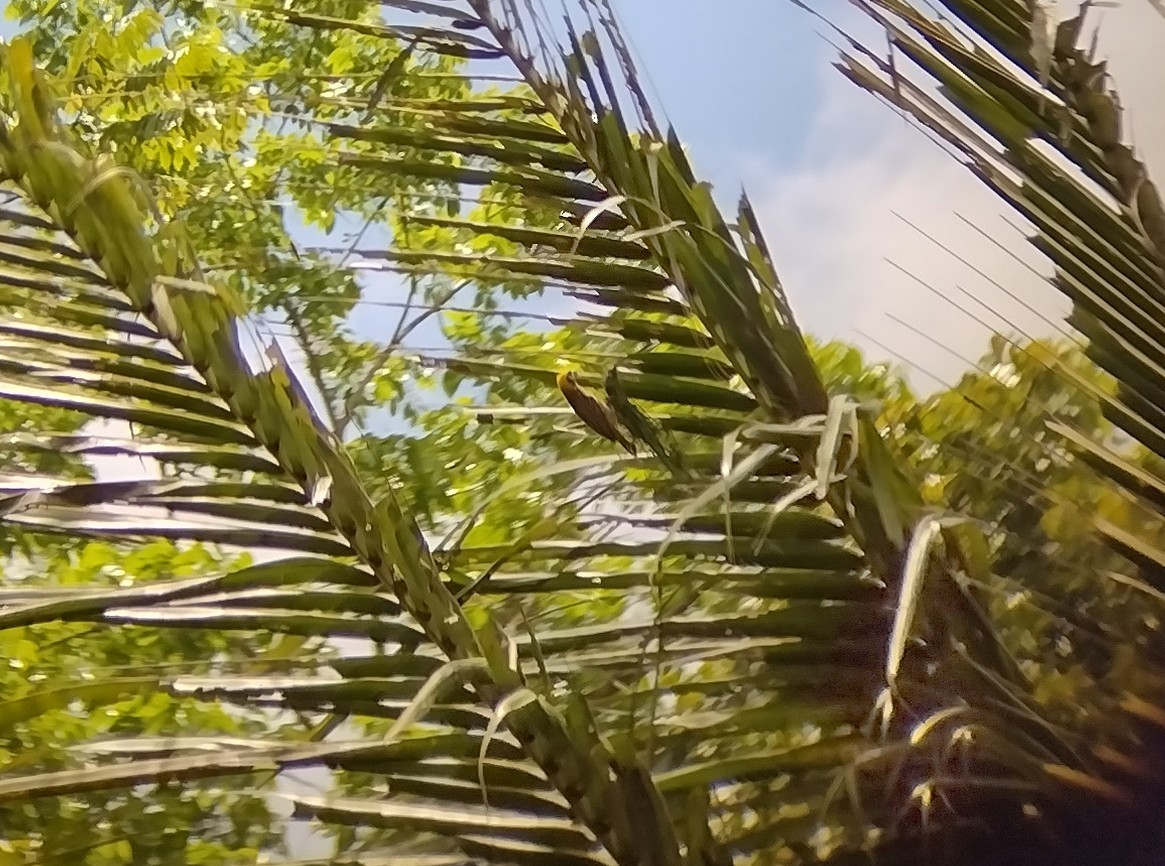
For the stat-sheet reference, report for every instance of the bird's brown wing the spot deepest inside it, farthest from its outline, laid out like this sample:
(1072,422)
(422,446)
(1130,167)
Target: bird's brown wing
(596,414)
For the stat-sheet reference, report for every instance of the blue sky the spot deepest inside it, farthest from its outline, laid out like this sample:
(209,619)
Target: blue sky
(838,178)
(738,78)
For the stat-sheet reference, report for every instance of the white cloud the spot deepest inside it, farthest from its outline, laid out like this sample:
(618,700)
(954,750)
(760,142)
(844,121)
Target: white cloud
(834,222)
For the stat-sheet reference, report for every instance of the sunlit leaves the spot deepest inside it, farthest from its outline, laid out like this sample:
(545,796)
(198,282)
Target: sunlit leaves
(220,109)
(86,681)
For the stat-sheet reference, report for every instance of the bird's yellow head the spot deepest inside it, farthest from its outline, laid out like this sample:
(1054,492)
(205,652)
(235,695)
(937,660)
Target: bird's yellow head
(566,379)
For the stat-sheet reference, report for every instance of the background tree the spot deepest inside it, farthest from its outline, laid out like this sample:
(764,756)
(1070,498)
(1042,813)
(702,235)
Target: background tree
(195,99)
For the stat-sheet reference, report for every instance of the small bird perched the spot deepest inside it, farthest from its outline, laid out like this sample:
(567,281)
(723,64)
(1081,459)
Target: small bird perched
(591,411)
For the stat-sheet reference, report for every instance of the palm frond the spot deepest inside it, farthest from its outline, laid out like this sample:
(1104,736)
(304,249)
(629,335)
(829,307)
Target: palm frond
(782,650)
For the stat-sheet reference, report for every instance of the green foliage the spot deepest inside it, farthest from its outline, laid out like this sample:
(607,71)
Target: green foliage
(511,641)
(70,684)
(212,108)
